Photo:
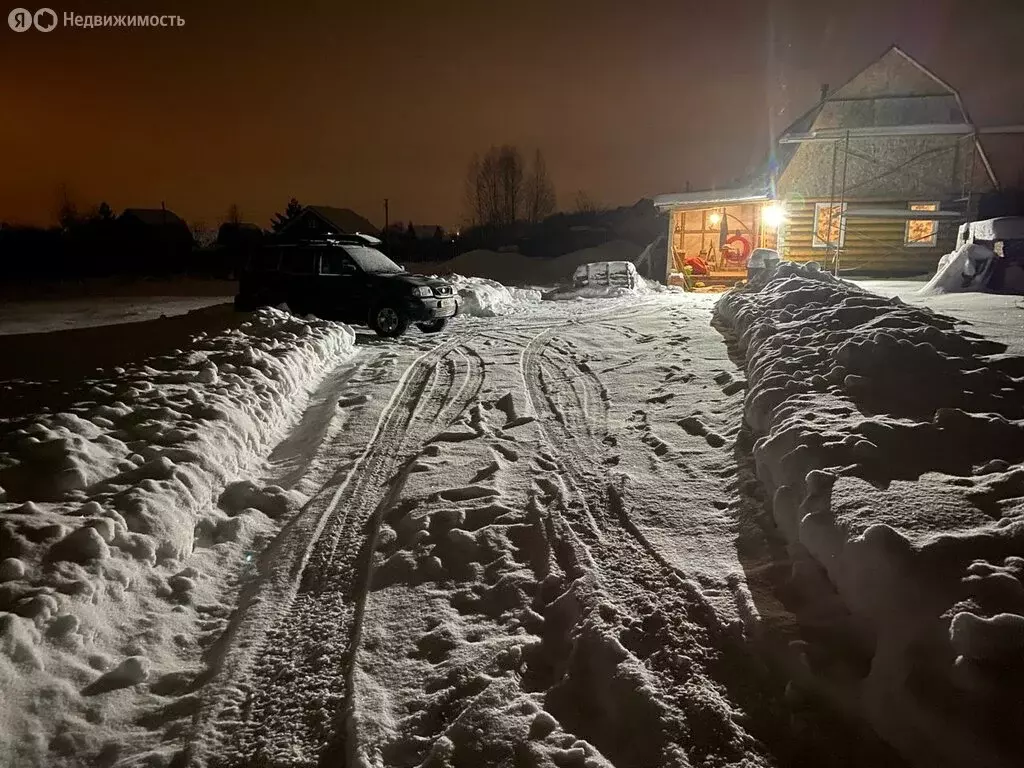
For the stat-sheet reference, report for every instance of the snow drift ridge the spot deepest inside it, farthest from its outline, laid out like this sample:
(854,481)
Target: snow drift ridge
(891,448)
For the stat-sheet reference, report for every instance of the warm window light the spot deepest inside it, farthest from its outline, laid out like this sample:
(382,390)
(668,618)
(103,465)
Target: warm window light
(771,215)
(715,218)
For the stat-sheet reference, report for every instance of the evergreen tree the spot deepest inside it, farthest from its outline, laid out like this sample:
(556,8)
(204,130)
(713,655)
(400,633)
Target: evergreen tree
(281,220)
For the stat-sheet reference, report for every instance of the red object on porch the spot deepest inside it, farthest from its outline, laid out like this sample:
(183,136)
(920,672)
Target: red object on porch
(734,258)
(699,266)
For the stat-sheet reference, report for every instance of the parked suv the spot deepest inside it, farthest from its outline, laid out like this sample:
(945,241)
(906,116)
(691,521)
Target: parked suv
(346,279)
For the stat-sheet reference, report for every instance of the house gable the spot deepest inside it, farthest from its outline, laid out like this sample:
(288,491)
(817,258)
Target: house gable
(894,90)
(895,73)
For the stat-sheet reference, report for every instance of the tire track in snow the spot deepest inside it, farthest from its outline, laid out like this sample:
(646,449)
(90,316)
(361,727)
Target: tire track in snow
(469,387)
(288,644)
(634,573)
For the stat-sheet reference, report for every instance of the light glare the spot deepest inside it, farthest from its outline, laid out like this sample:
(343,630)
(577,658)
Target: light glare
(772,215)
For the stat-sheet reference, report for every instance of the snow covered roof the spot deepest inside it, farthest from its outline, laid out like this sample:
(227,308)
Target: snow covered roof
(1003,228)
(707,197)
(345,219)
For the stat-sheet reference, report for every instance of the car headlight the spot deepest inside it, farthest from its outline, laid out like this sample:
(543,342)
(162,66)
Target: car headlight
(422,290)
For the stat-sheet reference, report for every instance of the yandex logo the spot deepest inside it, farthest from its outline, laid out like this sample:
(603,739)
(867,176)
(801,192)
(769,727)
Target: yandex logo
(46,20)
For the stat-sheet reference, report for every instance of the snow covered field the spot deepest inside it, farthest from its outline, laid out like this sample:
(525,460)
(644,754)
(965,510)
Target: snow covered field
(43,316)
(545,537)
(1000,317)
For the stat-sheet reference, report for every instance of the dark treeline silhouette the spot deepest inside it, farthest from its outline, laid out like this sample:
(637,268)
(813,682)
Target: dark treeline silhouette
(409,243)
(140,242)
(511,204)
(564,232)
(154,242)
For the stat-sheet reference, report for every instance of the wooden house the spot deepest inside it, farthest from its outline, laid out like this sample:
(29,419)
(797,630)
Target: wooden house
(874,179)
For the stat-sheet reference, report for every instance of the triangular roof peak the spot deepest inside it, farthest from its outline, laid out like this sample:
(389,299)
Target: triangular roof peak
(893,74)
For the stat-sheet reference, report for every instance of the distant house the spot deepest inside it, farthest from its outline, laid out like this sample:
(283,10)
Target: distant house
(428,231)
(239,235)
(155,232)
(875,178)
(322,221)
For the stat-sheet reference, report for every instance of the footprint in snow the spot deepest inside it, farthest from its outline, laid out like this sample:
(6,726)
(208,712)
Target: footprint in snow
(697,428)
(485,473)
(467,493)
(349,399)
(661,399)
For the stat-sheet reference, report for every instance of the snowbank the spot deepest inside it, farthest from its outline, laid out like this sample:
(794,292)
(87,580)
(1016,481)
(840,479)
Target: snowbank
(965,269)
(600,292)
(516,269)
(891,448)
(488,298)
(642,287)
(115,548)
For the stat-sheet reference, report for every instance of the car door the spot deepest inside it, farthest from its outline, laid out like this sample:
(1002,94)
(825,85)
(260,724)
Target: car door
(339,284)
(298,267)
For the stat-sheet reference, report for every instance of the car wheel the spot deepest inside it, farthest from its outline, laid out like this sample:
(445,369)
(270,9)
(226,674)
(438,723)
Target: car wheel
(388,321)
(434,326)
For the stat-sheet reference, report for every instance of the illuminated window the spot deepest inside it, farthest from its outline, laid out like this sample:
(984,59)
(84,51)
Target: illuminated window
(829,225)
(922,233)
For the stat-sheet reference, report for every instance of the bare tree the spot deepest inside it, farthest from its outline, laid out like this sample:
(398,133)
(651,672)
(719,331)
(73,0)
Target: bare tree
(472,195)
(540,191)
(67,210)
(584,203)
(233,215)
(510,176)
(494,187)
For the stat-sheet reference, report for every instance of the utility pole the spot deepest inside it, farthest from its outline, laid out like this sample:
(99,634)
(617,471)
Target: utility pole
(385,238)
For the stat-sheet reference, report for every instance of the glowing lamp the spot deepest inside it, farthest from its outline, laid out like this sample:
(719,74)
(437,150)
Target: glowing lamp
(714,219)
(772,215)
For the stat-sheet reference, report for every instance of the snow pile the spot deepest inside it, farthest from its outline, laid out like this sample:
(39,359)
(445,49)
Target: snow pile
(891,448)
(115,550)
(516,269)
(488,298)
(642,287)
(965,269)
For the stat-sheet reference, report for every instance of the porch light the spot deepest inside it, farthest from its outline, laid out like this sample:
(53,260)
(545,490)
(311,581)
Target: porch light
(714,219)
(772,215)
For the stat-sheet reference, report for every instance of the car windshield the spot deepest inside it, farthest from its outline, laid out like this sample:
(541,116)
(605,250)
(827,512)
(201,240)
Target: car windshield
(371,260)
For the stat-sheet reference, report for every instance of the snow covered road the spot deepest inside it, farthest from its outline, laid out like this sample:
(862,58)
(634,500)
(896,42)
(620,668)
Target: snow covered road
(534,540)
(521,546)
